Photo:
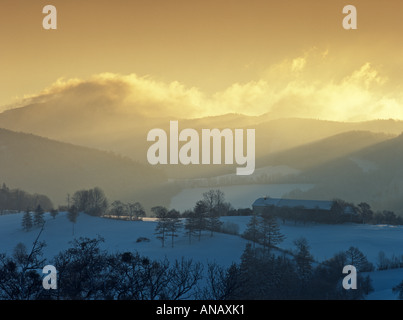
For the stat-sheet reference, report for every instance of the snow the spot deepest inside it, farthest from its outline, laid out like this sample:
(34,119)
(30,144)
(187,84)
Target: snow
(119,235)
(383,282)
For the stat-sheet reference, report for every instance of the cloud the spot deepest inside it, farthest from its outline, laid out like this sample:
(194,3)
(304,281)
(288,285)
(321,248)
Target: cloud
(310,86)
(122,94)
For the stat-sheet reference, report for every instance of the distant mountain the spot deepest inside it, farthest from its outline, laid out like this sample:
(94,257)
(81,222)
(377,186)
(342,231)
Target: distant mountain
(95,124)
(321,151)
(298,143)
(40,165)
(373,174)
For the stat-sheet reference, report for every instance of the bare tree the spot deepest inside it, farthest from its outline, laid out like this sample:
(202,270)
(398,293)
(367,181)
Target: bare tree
(136,210)
(173,225)
(81,270)
(183,277)
(222,283)
(163,222)
(92,201)
(191,225)
(214,201)
(118,208)
(19,279)
(200,220)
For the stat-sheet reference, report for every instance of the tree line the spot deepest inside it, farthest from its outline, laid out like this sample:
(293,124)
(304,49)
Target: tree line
(263,229)
(204,217)
(36,218)
(19,200)
(263,272)
(87,272)
(361,213)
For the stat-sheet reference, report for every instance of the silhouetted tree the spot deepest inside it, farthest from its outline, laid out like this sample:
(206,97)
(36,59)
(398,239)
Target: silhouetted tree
(81,270)
(222,283)
(92,201)
(269,231)
(163,222)
(200,213)
(38,216)
(252,230)
(191,225)
(173,225)
(183,277)
(136,210)
(118,208)
(357,259)
(214,202)
(19,200)
(304,260)
(72,215)
(365,212)
(19,279)
(27,223)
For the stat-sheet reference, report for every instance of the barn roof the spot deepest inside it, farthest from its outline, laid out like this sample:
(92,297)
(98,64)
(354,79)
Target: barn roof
(293,203)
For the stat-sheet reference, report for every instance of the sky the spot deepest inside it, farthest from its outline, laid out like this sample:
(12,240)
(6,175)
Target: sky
(290,58)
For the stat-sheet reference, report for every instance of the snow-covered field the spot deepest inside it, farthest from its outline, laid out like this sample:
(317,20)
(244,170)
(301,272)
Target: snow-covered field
(325,241)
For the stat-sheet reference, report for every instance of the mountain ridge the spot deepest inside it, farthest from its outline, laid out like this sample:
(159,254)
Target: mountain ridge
(55,168)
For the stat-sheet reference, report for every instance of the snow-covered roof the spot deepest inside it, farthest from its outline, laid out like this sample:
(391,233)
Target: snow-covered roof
(293,203)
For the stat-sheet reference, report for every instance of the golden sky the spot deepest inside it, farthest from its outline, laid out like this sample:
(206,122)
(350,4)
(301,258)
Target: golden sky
(289,57)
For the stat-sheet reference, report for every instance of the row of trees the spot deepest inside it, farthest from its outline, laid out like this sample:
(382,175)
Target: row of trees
(205,216)
(95,203)
(92,201)
(131,210)
(19,200)
(86,272)
(264,230)
(365,214)
(340,212)
(36,219)
(264,275)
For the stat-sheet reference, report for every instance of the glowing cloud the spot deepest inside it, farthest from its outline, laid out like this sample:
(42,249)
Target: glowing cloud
(300,87)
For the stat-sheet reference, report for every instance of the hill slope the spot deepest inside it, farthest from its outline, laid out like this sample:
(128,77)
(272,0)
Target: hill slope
(108,126)
(373,174)
(324,150)
(40,165)
(121,236)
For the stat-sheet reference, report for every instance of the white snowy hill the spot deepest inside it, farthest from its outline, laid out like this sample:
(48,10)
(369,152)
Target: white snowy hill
(325,241)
